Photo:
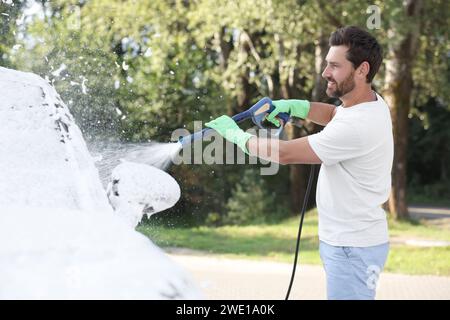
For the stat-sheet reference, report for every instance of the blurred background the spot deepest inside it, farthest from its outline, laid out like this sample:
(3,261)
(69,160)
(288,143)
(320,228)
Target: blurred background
(134,71)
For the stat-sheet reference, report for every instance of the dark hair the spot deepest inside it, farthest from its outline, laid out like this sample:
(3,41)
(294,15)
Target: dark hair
(362,46)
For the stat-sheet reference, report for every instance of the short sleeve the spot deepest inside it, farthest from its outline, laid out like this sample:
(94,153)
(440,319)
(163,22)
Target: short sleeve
(338,141)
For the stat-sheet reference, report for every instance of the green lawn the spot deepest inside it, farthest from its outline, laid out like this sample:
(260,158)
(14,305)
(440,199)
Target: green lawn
(277,242)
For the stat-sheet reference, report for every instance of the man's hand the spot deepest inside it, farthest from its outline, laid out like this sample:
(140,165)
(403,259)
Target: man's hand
(227,128)
(296,108)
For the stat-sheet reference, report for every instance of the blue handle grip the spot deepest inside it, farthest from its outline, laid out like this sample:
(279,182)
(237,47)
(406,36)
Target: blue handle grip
(261,109)
(282,115)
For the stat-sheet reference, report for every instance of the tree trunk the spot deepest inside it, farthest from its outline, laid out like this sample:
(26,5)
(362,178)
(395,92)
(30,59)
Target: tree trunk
(224,46)
(288,81)
(399,85)
(245,91)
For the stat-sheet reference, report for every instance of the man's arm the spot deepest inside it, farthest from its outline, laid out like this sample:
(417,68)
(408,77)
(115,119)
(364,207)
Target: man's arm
(297,150)
(321,113)
(284,152)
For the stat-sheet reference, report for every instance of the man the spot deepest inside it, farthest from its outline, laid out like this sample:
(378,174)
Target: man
(356,151)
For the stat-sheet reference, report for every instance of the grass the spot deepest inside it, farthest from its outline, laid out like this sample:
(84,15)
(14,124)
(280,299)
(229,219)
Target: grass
(418,229)
(276,242)
(424,196)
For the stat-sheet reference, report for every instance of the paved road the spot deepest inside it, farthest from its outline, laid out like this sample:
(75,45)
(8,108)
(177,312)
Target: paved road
(221,278)
(438,216)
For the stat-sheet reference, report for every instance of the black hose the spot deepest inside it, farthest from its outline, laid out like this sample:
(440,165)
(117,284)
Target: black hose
(302,215)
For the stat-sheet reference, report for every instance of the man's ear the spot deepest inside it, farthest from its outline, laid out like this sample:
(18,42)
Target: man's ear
(363,70)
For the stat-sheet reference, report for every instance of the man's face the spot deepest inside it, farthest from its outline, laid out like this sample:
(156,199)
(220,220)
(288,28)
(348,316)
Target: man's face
(339,72)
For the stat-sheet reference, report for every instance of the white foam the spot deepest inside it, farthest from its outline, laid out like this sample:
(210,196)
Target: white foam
(138,189)
(59,236)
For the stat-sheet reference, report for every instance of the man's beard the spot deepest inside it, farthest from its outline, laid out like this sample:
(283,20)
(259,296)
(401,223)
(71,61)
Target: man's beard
(347,85)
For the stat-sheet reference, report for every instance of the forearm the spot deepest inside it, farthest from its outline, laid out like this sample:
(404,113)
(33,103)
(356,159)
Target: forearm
(283,152)
(267,149)
(321,113)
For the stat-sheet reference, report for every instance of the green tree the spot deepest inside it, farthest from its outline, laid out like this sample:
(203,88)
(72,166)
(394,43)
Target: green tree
(416,68)
(139,69)
(10,18)
(251,201)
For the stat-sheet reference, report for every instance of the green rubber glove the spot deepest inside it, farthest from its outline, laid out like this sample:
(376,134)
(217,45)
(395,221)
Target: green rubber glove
(296,108)
(227,128)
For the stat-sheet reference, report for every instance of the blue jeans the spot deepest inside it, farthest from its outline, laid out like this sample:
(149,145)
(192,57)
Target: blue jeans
(352,272)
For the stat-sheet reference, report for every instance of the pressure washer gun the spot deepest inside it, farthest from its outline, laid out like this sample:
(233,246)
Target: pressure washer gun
(258,113)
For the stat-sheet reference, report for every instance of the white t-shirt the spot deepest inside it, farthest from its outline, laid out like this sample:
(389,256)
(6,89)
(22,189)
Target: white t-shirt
(356,149)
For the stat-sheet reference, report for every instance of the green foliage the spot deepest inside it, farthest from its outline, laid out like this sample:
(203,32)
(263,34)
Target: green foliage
(213,219)
(10,14)
(138,69)
(429,154)
(252,201)
(432,72)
